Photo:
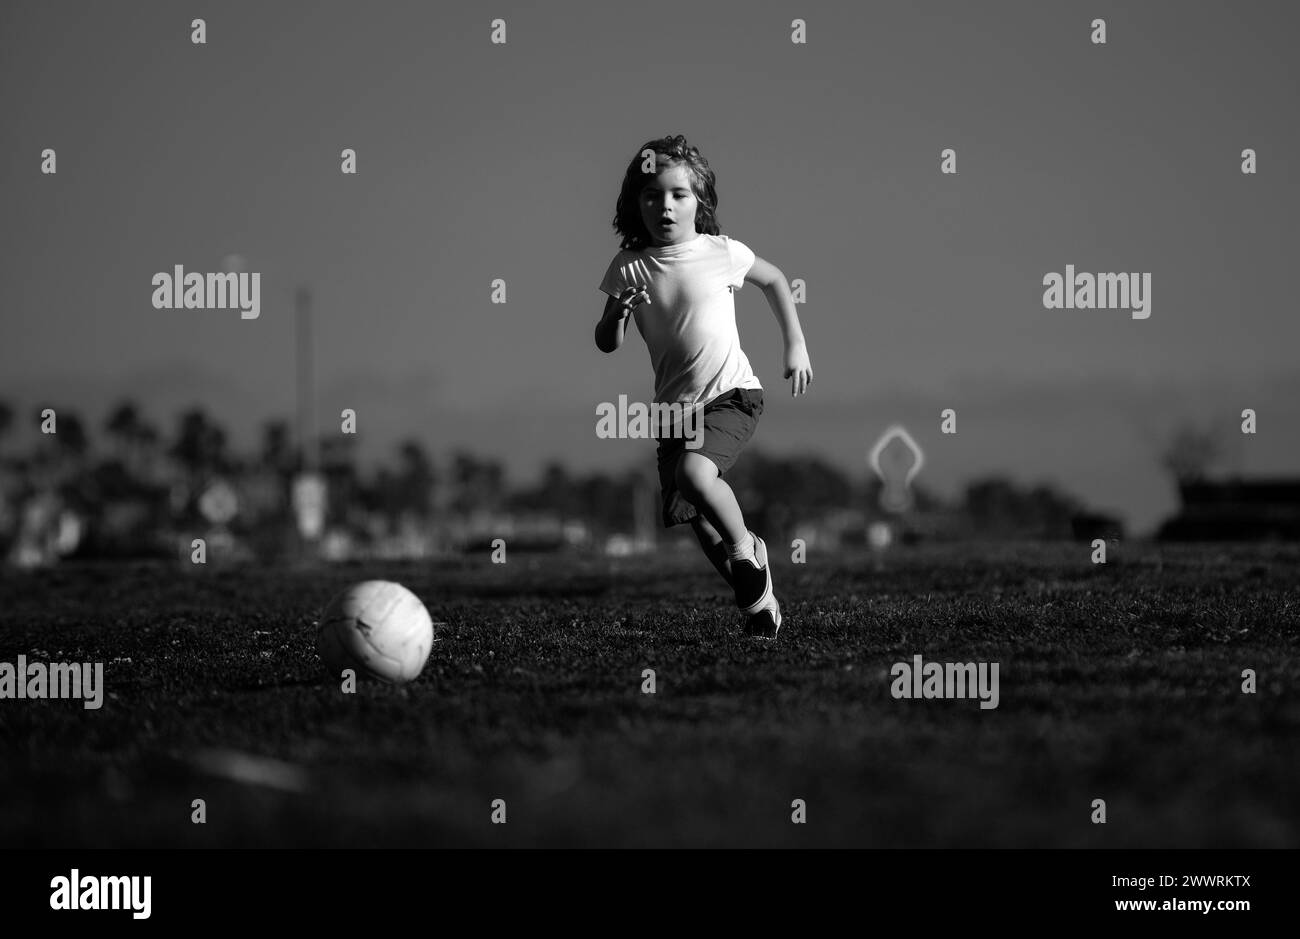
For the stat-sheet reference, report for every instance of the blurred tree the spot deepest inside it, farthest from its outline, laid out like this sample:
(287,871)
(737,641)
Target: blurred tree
(277,452)
(550,492)
(557,487)
(1191,452)
(477,483)
(384,497)
(345,488)
(200,445)
(123,425)
(69,439)
(557,491)
(781,492)
(125,429)
(112,482)
(147,439)
(604,500)
(415,478)
(6,419)
(59,463)
(1051,513)
(991,504)
(996,506)
(338,454)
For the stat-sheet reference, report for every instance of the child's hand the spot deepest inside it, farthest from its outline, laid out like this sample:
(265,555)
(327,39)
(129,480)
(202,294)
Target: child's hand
(631,298)
(798,369)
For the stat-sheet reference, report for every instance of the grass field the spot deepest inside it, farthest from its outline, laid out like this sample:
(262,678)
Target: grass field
(1120,682)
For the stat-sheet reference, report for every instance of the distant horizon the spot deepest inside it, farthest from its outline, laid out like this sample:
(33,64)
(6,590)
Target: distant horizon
(481,434)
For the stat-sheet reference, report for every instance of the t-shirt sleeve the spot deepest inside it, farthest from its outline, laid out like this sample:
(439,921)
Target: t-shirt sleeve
(615,279)
(741,260)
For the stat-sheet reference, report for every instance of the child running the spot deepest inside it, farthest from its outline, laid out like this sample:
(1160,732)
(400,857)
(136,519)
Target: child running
(676,275)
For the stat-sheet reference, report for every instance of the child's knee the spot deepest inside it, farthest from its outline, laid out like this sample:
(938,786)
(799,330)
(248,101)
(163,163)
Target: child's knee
(693,474)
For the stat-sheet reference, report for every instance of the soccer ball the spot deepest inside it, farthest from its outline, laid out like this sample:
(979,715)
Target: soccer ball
(378,628)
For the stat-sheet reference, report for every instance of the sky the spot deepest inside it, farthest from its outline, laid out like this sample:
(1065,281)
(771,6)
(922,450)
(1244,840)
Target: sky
(479,161)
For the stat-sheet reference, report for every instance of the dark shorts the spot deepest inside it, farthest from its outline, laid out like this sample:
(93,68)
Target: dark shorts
(729,420)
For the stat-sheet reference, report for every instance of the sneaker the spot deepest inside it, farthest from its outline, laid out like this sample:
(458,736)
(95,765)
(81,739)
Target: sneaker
(766,623)
(752,579)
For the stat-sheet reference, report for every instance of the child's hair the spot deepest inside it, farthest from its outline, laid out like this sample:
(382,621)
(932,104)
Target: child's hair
(669,151)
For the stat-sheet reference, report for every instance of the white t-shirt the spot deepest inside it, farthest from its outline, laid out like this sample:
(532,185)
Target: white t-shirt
(689,325)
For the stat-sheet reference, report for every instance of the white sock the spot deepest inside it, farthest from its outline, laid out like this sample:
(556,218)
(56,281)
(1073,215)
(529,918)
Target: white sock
(742,550)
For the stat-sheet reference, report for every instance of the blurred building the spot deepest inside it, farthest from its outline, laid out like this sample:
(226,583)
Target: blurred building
(1236,509)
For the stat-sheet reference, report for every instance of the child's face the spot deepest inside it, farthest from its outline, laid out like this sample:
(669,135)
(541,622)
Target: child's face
(669,195)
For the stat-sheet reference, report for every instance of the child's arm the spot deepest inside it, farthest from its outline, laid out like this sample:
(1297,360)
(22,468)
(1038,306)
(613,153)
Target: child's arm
(772,282)
(613,322)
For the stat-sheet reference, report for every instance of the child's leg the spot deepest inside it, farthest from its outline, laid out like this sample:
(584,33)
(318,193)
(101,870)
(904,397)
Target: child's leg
(699,483)
(713,547)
